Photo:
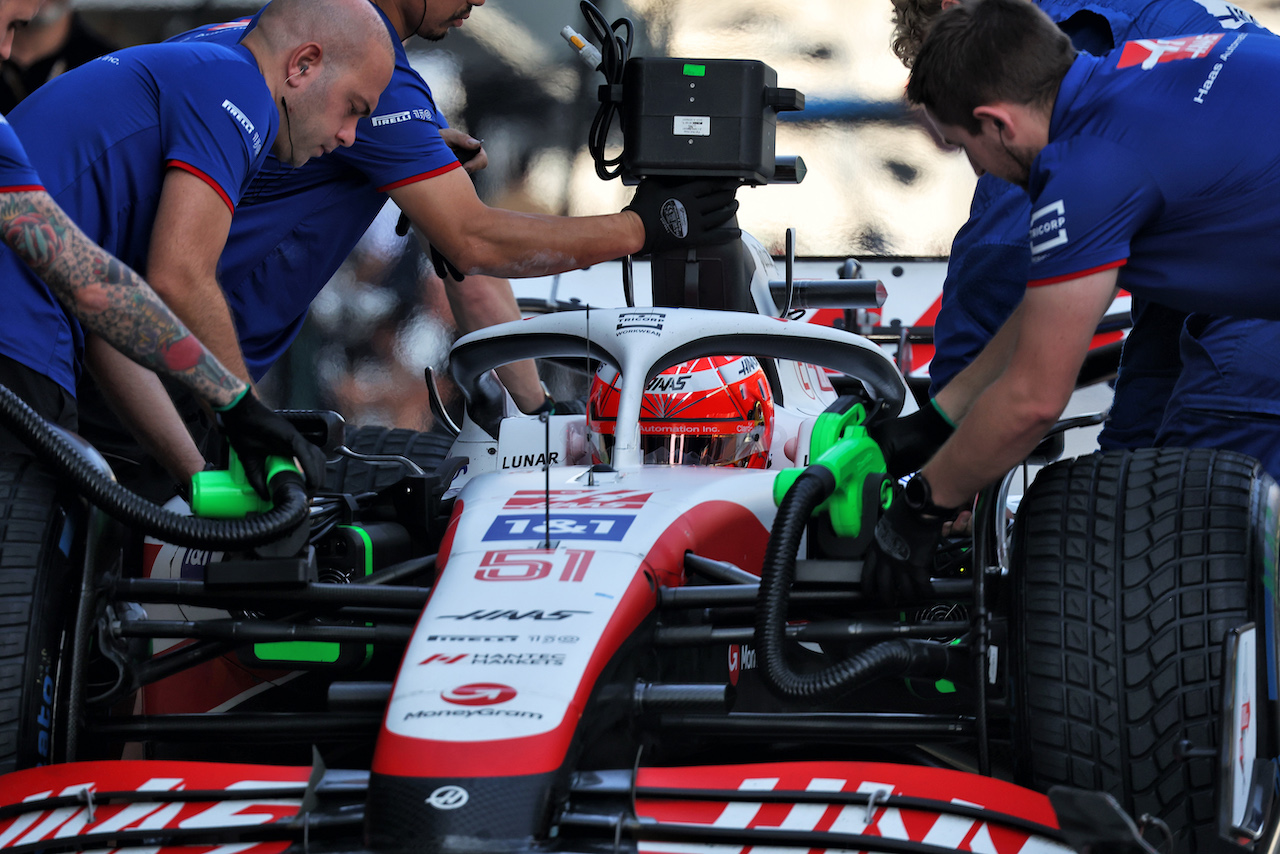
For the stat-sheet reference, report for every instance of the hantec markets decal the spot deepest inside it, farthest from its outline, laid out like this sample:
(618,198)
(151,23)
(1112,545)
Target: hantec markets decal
(563,526)
(479,694)
(544,659)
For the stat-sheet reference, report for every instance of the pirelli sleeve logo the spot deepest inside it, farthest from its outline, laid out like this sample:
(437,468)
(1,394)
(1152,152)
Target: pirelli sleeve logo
(420,114)
(243,121)
(1048,228)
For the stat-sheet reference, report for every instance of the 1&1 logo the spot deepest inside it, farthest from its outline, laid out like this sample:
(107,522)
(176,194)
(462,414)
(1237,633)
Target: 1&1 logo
(479,694)
(567,526)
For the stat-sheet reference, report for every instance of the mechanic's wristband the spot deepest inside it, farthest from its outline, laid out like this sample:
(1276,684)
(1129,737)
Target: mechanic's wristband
(918,495)
(933,401)
(239,397)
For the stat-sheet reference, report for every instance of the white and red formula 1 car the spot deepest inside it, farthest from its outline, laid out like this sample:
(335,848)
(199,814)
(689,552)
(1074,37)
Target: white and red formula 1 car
(507,656)
(521,647)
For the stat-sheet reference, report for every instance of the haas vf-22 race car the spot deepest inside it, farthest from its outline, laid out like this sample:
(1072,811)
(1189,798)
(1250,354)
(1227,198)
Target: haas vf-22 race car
(641,628)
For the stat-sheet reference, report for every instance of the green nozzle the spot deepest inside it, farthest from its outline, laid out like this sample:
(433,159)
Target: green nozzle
(228,495)
(841,444)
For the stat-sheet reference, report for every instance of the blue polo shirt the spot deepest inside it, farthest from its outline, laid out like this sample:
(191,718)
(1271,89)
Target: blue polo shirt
(1190,225)
(16,173)
(295,227)
(990,262)
(101,138)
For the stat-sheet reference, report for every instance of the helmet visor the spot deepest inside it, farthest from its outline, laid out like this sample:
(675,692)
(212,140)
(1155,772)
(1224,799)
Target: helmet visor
(745,450)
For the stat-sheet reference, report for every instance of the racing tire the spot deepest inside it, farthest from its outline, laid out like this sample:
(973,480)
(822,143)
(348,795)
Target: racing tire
(1130,568)
(39,589)
(427,449)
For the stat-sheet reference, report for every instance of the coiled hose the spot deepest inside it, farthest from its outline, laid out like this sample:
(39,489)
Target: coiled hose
(888,658)
(287,492)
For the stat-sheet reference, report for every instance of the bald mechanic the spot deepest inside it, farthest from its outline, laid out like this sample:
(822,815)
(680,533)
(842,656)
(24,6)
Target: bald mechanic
(294,227)
(991,258)
(1119,198)
(164,141)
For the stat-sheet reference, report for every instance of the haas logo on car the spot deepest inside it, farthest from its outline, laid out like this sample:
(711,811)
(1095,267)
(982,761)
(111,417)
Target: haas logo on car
(479,694)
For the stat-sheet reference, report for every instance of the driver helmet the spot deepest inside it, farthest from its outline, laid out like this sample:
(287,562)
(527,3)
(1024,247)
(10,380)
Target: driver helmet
(713,411)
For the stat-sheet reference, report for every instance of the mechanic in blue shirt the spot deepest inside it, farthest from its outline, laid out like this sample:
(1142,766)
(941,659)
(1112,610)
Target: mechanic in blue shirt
(148,150)
(294,227)
(990,262)
(1121,196)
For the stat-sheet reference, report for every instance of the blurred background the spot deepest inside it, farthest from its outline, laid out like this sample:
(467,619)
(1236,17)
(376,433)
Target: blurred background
(878,185)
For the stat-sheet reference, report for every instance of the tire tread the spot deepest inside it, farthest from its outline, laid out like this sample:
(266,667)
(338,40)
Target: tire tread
(28,509)
(1133,566)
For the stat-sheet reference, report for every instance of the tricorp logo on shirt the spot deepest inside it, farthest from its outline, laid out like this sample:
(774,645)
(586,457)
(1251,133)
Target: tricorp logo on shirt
(1149,53)
(1048,228)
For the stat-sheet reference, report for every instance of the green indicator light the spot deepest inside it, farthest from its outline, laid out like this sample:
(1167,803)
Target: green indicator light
(691,70)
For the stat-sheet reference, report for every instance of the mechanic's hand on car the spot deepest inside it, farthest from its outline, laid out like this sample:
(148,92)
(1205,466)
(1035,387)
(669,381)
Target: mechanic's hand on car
(683,213)
(909,442)
(466,148)
(896,570)
(256,432)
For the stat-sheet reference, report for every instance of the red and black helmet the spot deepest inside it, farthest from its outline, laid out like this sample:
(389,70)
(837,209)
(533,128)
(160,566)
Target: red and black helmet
(713,411)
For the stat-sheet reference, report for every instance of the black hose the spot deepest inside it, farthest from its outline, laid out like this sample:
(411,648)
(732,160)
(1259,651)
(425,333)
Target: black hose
(54,450)
(889,658)
(615,50)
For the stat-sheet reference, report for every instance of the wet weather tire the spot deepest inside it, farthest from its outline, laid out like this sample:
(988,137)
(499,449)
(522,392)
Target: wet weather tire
(39,587)
(427,449)
(1129,569)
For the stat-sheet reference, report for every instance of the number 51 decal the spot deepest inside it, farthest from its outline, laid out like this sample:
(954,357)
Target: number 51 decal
(533,564)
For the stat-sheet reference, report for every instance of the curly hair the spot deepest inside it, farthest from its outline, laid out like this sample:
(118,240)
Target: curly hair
(911,19)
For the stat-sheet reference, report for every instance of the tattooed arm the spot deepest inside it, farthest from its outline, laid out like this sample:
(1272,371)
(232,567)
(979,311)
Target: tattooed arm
(108,298)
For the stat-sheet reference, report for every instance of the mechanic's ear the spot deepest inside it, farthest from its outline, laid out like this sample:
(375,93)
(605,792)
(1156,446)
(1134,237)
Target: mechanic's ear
(301,61)
(996,115)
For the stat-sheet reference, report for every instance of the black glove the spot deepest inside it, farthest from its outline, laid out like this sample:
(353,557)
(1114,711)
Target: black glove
(909,442)
(443,266)
(897,567)
(678,214)
(257,432)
